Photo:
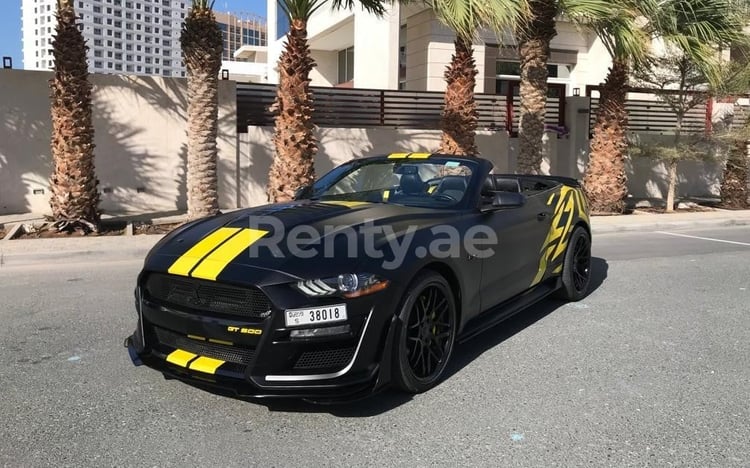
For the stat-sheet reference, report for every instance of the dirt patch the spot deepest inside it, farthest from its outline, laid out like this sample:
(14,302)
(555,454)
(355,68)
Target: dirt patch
(45,231)
(147,228)
(690,209)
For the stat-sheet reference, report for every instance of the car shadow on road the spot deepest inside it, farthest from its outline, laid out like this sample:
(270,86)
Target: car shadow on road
(464,354)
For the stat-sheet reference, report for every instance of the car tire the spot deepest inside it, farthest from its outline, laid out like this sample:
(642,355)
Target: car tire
(576,273)
(426,333)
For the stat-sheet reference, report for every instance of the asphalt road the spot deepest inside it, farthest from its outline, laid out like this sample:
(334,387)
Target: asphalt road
(650,369)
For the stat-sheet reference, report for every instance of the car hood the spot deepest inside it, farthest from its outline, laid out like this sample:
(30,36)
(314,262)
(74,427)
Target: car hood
(331,236)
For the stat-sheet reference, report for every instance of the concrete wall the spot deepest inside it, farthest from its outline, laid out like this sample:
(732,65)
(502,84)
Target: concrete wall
(140,137)
(141,147)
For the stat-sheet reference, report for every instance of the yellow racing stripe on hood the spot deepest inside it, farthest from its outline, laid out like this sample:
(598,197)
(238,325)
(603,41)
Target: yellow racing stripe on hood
(348,204)
(195,254)
(213,264)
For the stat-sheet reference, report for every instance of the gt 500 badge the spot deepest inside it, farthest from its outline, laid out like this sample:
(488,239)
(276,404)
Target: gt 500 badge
(246,331)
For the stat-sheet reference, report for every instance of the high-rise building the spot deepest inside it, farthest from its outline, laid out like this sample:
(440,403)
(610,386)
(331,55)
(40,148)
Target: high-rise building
(240,29)
(139,37)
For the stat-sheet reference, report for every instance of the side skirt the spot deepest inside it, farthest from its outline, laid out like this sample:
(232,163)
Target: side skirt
(497,314)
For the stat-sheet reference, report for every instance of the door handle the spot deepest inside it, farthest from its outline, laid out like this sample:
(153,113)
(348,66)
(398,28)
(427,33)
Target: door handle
(542,216)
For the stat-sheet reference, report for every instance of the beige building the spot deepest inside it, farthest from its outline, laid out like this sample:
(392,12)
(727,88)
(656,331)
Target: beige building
(408,48)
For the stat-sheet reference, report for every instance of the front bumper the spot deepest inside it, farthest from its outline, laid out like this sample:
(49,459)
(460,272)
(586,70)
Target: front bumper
(259,358)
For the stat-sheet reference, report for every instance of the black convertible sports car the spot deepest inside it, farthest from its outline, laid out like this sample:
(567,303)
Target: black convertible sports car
(368,278)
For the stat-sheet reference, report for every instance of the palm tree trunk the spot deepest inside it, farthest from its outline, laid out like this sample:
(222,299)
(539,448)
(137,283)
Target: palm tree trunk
(202,46)
(75,195)
(295,144)
(534,40)
(734,192)
(459,119)
(672,186)
(605,181)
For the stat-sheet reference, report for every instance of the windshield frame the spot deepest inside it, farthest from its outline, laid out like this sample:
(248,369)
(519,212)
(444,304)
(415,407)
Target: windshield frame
(479,167)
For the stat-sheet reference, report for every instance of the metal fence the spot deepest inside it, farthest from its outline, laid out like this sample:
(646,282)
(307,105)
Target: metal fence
(346,107)
(653,115)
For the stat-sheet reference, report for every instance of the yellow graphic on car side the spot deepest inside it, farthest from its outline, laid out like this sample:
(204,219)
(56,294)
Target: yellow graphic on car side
(208,258)
(569,204)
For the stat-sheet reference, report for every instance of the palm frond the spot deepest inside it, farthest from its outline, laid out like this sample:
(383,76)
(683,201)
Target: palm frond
(377,7)
(300,9)
(466,17)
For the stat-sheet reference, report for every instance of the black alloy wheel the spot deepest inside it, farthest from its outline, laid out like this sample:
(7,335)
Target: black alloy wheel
(426,334)
(576,274)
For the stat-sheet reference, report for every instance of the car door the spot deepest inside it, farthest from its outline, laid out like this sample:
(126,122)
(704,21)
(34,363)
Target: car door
(520,232)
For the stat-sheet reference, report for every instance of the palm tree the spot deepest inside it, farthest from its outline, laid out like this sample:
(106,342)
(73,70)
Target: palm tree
(605,178)
(734,136)
(75,196)
(293,134)
(202,45)
(696,27)
(465,17)
(534,34)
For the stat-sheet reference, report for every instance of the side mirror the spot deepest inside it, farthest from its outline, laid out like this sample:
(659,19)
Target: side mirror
(504,200)
(302,192)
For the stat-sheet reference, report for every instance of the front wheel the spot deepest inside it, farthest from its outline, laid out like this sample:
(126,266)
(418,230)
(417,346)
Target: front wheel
(576,274)
(426,334)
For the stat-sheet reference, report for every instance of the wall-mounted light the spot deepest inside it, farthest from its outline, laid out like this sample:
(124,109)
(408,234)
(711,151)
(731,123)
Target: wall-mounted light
(576,91)
(7,62)
(225,74)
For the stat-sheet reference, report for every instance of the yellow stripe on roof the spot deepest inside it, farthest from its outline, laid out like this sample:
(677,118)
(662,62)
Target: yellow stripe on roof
(206,364)
(397,155)
(216,261)
(180,357)
(196,253)
(419,155)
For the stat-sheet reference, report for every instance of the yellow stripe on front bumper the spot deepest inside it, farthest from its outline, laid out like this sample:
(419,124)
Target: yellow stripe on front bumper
(206,364)
(216,261)
(195,254)
(180,357)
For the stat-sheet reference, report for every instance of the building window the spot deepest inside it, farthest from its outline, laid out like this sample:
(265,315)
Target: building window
(346,65)
(282,22)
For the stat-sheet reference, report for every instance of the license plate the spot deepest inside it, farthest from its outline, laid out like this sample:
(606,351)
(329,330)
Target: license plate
(314,316)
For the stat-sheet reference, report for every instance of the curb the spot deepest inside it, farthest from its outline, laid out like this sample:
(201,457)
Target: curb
(649,226)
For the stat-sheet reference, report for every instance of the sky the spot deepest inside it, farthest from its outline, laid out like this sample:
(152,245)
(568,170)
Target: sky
(10,23)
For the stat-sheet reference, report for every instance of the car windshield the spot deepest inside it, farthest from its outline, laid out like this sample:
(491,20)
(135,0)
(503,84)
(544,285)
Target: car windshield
(425,183)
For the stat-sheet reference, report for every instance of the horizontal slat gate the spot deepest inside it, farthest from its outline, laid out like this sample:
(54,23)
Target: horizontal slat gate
(342,107)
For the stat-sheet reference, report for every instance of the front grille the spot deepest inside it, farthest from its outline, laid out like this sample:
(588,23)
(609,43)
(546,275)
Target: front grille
(330,358)
(205,348)
(207,296)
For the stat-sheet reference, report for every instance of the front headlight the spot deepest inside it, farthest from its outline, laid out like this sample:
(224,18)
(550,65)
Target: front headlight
(348,285)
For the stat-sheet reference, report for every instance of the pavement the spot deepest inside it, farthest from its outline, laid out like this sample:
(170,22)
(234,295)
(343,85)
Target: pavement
(111,248)
(649,370)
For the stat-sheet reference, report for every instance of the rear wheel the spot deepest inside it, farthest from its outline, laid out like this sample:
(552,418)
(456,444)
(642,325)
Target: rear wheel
(426,335)
(576,274)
